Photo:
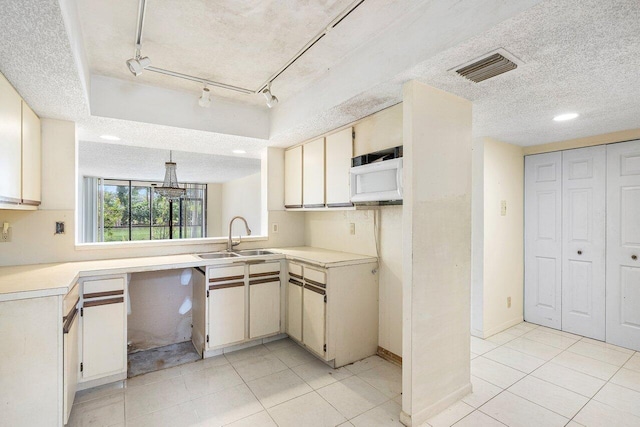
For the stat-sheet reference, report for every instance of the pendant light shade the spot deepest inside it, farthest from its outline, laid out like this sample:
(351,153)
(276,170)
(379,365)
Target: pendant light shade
(170,187)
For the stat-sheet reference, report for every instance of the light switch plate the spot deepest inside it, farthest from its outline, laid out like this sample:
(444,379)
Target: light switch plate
(352,228)
(59,227)
(274,227)
(503,208)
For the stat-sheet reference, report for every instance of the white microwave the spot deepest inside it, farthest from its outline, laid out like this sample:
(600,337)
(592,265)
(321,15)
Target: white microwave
(379,181)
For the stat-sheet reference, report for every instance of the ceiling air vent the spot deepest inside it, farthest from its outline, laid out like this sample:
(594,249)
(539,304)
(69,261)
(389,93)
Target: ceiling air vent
(486,68)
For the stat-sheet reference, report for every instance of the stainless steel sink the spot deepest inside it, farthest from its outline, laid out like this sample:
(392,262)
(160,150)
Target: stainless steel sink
(218,255)
(255,252)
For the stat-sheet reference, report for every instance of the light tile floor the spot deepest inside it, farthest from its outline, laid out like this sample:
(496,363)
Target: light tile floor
(525,376)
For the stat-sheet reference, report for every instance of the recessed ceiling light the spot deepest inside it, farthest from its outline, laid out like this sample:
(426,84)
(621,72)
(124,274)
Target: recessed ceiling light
(565,117)
(239,152)
(110,137)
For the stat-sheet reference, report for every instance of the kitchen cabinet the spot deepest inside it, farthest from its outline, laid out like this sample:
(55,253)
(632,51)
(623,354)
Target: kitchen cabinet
(243,303)
(10,143)
(20,144)
(293,177)
(264,299)
(104,329)
(333,312)
(226,306)
(314,319)
(339,150)
(70,344)
(294,302)
(313,163)
(31,157)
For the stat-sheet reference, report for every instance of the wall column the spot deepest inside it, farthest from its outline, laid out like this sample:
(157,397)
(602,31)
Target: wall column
(437,251)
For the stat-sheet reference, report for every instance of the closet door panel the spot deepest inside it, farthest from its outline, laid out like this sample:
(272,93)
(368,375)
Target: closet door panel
(583,243)
(623,244)
(543,239)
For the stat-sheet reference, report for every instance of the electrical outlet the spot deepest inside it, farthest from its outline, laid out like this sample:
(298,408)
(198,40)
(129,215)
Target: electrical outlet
(508,302)
(5,237)
(503,208)
(59,227)
(352,228)
(274,227)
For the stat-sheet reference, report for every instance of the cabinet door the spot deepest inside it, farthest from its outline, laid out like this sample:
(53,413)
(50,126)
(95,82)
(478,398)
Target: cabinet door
(226,314)
(31,152)
(264,307)
(294,309)
(293,178)
(313,174)
(104,338)
(543,240)
(339,147)
(583,243)
(10,143)
(314,319)
(71,364)
(623,244)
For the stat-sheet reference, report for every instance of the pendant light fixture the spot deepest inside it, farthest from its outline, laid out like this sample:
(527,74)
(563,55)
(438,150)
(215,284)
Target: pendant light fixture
(170,187)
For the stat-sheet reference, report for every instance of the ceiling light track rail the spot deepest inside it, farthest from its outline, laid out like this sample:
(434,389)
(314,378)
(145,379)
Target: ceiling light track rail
(200,80)
(136,66)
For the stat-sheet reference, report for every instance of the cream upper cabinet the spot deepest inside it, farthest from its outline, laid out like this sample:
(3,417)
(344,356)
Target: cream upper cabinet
(10,143)
(31,156)
(313,174)
(293,178)
(339,150)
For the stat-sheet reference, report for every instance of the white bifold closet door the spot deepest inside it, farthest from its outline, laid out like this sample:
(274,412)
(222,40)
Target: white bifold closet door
(583,241)
(623,244)
(543,240)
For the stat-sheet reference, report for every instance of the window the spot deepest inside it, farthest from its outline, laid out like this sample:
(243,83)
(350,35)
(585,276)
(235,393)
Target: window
(133,210)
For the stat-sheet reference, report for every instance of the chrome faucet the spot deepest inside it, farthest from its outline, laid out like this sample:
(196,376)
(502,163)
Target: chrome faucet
(231,243)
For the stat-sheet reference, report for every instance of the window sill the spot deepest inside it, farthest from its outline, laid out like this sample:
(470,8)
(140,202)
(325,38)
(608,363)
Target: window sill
(163,243)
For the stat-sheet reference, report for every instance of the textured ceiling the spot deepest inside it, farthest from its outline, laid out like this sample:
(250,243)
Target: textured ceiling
(241,43)
(35,56)
(126,162)
(579,56)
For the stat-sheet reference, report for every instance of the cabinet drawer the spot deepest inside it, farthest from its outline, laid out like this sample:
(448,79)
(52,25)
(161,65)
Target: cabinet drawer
(223,274)
(317,276)
(103,287)
(295,270)
(263,270)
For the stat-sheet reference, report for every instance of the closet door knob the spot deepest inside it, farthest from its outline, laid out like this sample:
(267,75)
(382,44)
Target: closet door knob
(579,252)
(634,257)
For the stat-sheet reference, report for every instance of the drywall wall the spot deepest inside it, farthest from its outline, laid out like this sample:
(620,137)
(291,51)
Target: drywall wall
(503,270)
(436,230)
(241,197)
(214,210)
(156,298)
(33,241)
(477,237)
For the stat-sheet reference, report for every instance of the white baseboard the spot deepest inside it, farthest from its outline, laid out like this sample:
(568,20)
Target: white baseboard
(420,417)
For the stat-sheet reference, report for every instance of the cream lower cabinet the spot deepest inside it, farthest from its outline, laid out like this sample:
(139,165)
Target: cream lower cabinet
(264,299)
(71,349)
(314,318)
(104,330)
(333,312)
(243,303)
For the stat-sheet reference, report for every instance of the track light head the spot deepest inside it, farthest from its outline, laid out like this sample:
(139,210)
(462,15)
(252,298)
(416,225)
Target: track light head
(205,99)
(136,65)
(271,100)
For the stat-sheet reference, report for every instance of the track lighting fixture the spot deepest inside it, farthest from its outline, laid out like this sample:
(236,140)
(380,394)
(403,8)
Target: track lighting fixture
(205,99)
(271,100)
(137,64)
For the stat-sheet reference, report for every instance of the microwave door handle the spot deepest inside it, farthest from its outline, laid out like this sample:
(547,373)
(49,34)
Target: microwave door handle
(399,180)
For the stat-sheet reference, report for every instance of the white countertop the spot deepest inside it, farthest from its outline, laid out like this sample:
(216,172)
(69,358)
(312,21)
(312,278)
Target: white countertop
(39,280)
